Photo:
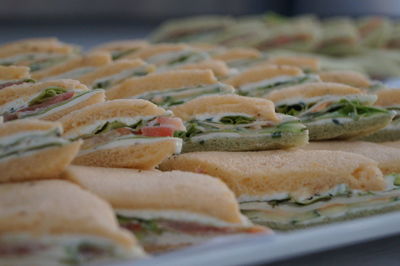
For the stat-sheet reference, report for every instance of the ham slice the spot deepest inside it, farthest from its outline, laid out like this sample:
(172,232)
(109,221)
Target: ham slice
(53,100)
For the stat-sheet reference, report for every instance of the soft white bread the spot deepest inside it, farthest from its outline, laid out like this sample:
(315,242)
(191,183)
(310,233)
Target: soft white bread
(348,77)
(35,45)
(161,81)
(155,49)
(218,67)
(215,104)
(24,92)
(42,163)
(303,62)
(144,156)
(19,126)
(159,191)
(14,72)
(57,207)
(297,172)
(113,68)
(310,90)
(108,110)
(388,158)
(121,45)
(95,59)
(388,97)
(95,96)
(259,73)
(237,54)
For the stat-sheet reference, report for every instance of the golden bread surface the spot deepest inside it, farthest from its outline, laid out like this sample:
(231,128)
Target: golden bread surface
(297,172)
(153,190)
(310,90)
(216,104)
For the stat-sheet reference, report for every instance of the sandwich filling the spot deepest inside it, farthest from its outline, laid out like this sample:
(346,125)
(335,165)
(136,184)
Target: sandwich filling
(112,80)
(159,231)
(173,97)
(236,126)
(354,107)
(47,101)
(263,87)
(285,211)
(7,83)
(72,74)
(26,143)
(60,250)
(122,132)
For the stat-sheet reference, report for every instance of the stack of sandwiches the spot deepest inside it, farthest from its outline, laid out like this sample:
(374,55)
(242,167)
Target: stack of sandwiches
(171,145)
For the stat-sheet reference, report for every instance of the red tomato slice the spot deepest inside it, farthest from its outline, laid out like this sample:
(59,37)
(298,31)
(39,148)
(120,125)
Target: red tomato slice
(172,122)
(157,131)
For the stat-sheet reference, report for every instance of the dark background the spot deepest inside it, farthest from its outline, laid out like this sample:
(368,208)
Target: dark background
(93,21)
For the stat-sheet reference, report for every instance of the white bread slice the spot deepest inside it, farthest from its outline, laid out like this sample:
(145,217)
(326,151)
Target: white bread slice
(24,92)
(388,158)
(161,81)
(218,67)
(388,97)
(144,156)
(113,68)
(95,59)
(237,54)
(310,90)
(297,172)
(57,207)
(303,62)
(35,45)
(14,72)
(216,104)
(121,45)
(109,109)
(155,191)
(155,49)
(259,73)
(348,77)
(40,164)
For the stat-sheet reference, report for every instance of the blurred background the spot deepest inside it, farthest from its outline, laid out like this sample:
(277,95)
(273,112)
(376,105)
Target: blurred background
(93,21)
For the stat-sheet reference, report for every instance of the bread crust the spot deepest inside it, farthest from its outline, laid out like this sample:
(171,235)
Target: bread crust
(144,156)
(111,69)
(46,163)
(388,158)
(259,73)
(153,190)
(110,109)
(237,54)
(97,97)
(297,172)
(351,78)
(35,45)
(214,104)
(25,91)
(57,207)
(388,97)
(95,59)
(161,81)
(154,49)
(121,45)
(17,126)
(14,72)
(218,67)
(312,89)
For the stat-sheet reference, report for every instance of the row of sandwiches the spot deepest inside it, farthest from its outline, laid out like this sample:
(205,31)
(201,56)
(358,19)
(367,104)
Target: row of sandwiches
(136,148)
(334,36)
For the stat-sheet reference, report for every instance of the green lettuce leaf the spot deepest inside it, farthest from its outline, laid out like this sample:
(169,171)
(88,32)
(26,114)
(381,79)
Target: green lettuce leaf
(47,94)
